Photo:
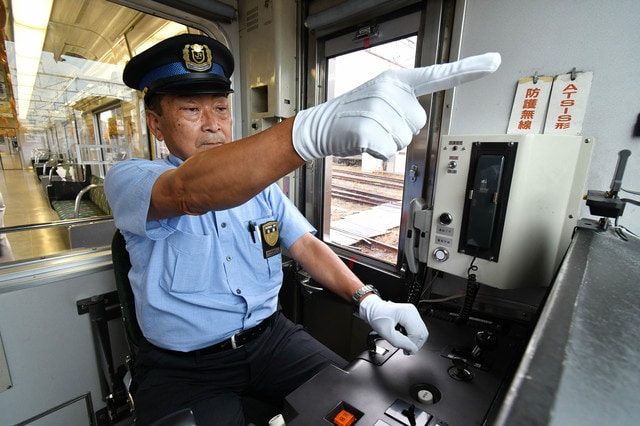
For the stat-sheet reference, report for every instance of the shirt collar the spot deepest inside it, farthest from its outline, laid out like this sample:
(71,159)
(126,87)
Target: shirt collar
(174,160)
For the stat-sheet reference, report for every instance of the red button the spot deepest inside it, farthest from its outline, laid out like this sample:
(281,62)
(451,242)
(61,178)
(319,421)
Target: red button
(344,418)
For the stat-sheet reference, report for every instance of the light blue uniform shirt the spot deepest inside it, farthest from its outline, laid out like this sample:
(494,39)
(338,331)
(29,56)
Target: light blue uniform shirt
(197,280)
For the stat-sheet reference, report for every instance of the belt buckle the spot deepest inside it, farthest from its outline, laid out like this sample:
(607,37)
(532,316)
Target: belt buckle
(234,345)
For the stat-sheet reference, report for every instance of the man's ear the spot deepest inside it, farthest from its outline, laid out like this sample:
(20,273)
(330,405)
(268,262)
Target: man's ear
(153,123)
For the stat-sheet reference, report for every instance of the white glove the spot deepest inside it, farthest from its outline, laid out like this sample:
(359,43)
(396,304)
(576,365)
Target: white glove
(382,115)
(384,316)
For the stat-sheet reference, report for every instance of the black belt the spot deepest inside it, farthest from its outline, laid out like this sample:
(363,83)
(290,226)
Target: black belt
(236,341)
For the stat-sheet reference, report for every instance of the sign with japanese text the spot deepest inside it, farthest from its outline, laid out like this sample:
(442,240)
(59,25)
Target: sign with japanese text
(530,105)
(568,103)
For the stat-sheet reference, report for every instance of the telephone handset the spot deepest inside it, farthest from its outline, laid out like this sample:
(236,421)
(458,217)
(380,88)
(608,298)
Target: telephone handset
(416,243)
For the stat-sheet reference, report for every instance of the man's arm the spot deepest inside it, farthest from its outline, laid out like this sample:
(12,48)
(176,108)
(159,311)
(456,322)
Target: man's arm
(328,270)
(225,176)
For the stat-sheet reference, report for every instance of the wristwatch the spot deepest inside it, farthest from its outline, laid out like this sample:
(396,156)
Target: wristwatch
(365,289)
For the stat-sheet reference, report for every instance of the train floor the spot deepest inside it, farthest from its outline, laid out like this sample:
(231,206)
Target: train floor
(26,203)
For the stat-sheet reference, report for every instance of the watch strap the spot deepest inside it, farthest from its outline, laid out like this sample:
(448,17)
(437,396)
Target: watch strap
(365,289)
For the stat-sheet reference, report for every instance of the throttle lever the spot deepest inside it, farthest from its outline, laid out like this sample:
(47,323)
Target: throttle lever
(621,165)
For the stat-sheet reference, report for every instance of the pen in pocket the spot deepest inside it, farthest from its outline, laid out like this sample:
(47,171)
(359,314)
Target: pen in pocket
(254,231)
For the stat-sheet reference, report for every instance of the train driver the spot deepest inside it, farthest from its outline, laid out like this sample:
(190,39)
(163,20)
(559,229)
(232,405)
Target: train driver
(204,228)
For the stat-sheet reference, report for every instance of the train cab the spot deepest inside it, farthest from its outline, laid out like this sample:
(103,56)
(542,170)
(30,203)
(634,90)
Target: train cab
(509,221)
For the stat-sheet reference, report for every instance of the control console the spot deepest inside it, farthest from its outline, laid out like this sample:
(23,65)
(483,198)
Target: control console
(455,379)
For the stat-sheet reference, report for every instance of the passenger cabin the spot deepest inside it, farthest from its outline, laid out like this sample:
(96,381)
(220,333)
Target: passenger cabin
(510,221)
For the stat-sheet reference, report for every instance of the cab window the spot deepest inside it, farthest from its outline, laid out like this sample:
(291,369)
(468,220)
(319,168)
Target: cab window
(363,209)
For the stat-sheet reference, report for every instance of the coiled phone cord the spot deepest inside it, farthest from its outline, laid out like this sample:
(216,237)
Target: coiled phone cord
(470,297)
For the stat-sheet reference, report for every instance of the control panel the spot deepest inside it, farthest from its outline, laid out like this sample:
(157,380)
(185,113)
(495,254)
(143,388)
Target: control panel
(509,204)
(454,380)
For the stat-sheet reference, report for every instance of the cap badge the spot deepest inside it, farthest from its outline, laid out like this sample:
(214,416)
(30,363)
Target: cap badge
(197,57)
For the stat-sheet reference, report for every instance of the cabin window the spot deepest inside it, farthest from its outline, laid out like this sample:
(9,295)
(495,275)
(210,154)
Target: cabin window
(362,211)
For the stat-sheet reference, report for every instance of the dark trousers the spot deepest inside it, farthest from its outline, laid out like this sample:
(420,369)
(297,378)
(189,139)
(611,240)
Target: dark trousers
(268,368)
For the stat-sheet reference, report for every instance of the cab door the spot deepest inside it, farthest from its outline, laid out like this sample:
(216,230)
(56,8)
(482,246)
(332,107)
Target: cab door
(360,205)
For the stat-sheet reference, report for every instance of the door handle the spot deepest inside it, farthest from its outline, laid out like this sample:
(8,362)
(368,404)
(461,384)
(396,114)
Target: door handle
(310,289)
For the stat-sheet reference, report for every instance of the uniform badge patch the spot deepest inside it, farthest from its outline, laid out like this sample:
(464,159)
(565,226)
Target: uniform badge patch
(270,238)
(197,57)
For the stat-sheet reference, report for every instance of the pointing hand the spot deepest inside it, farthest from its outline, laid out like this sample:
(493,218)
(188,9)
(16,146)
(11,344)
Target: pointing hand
(381,116)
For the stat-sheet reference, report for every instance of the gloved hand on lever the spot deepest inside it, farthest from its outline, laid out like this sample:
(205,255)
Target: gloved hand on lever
(381,116)
(384,316)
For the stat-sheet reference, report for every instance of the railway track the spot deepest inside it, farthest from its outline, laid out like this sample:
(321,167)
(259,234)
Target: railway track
(358,196)
(368,189)
(391,182)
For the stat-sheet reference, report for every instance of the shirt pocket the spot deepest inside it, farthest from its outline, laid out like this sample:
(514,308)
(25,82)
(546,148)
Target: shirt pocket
(271,267)
(184,259)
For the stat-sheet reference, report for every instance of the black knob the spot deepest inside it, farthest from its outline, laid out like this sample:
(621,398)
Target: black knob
(485,341)
(446,218)
(459,371)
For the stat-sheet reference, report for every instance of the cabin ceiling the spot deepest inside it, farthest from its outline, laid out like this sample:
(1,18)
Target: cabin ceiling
(86,45)
(83,28)
(79,29)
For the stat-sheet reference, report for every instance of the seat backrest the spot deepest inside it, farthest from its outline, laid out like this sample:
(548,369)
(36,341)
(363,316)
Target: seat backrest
(121,267)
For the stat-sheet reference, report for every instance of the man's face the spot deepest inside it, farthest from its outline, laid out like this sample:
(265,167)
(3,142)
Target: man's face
(193,123)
